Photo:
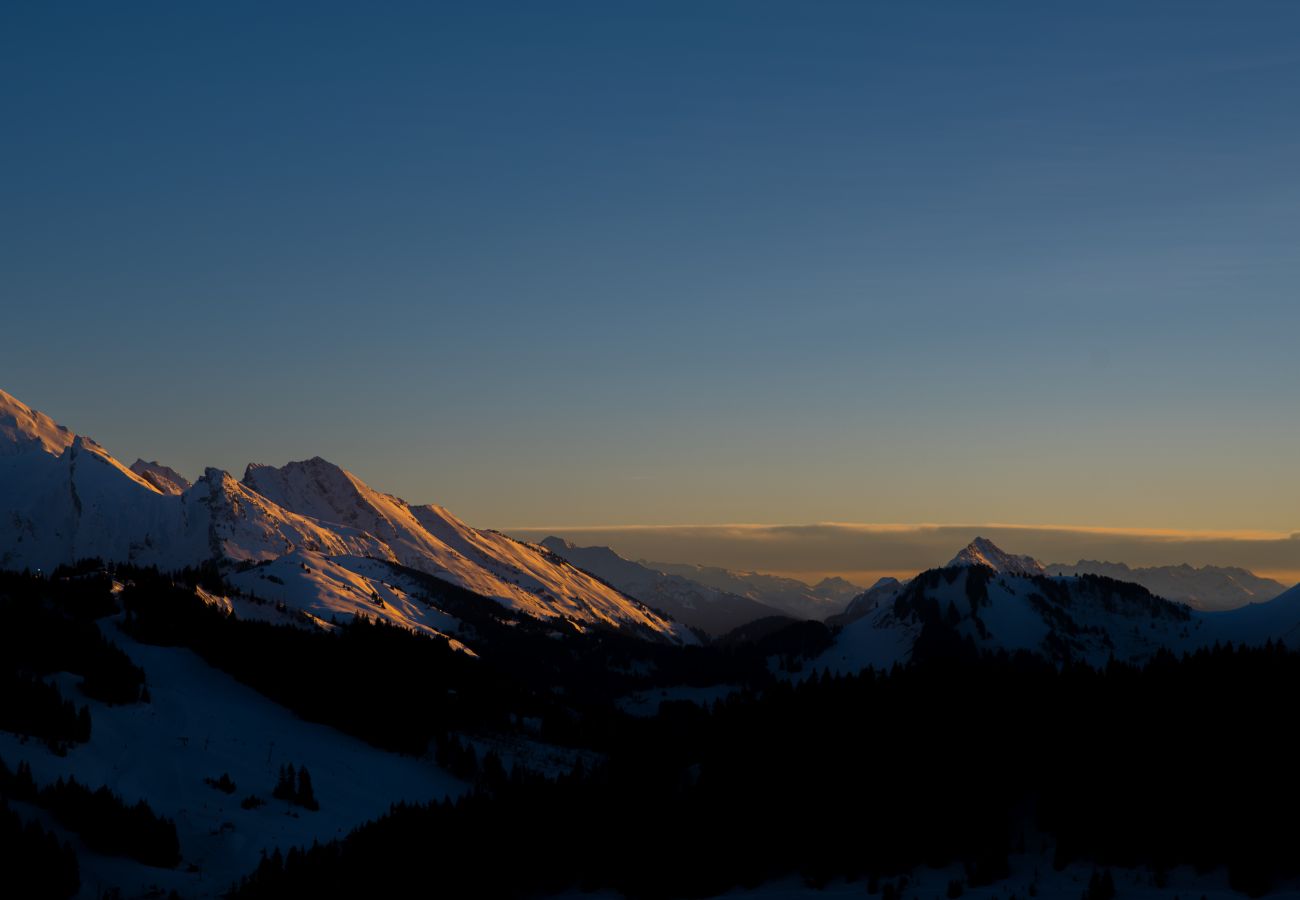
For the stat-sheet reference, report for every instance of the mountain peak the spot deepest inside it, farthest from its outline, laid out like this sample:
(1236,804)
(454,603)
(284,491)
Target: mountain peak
(297,470)
(835,584)
(217,479)
(164,478)
(22,427)
(983,552)
(318,488)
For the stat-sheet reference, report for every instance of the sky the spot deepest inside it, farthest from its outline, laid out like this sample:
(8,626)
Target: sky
(628,264)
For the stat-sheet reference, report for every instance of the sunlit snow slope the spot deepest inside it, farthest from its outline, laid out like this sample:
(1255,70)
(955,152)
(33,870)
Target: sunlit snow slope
(64,498)
(430,539)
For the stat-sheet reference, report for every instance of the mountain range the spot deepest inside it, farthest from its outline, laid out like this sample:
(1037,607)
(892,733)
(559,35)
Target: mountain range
(64,498)
(710,609)
(789,595)
(988,600)
(1201,587)
(316,538)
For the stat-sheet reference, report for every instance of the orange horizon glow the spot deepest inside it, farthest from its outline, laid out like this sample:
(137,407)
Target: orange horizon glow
(862,552)
(868,577)
(892,528)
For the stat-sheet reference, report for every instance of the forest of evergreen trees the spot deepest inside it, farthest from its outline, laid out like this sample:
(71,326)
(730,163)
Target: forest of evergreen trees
(1184,761)
(33,862)
(49,626)
(294,786)
(100,817)
(31,706)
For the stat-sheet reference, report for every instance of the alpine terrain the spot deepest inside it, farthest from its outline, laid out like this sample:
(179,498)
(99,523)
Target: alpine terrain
(988,600)
(64,498)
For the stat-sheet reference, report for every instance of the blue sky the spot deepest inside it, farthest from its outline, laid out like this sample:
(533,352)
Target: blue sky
(622,263)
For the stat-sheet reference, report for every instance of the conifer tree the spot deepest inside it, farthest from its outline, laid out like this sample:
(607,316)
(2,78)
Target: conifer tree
(305,796)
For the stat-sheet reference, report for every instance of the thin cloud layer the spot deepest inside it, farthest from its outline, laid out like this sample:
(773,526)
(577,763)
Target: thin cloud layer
(813,551)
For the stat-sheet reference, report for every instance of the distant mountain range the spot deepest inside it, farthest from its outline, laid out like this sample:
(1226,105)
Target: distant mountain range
(789,595)
(340,544)
(699,605)
(1206,587)
(989,600)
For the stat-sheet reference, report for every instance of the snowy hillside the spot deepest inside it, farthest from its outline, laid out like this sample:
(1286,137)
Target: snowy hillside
(1277,620)
(883,591)
(1206,587)
(202,723)
(328,588)
(64,498)
(711,610)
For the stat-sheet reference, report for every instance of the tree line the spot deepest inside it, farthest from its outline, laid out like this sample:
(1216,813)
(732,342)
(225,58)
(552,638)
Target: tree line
(106,822)
(1183,761)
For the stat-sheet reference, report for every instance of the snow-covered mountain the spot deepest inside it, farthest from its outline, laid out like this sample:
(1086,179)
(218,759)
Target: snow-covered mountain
(56,507)
(983,552)
(63,498)
(431,539)
(709,609)
(883,591)
(979,552)
(787,595)
(23,429)
(1085,617)
(317,588)
(1206,587)
(164,478)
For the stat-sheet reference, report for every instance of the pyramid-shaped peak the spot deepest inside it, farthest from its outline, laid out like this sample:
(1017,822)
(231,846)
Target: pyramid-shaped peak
(983,552)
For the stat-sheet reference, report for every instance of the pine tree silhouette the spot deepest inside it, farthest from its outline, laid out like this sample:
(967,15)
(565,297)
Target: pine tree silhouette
(285,788)
(305,796)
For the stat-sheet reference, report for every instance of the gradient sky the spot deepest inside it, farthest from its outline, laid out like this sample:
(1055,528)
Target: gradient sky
(621,263)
